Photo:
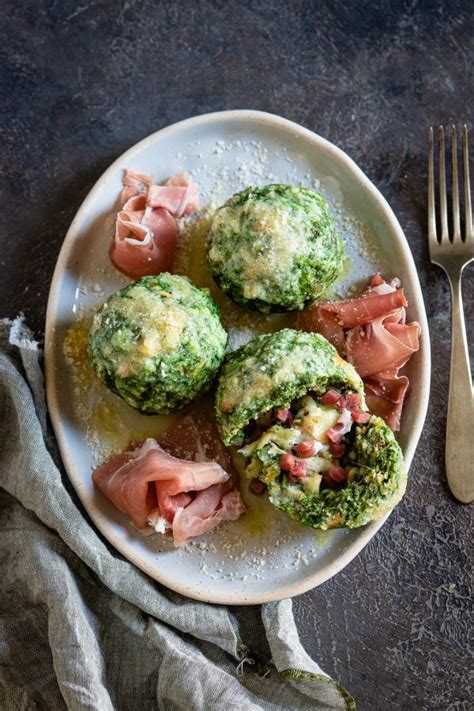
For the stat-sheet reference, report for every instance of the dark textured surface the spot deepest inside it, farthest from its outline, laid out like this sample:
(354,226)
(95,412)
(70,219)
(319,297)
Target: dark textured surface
(81,82)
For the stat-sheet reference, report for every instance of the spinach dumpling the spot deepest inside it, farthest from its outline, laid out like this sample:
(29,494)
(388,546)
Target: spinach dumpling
(158,343)
(274,248)
(297,411)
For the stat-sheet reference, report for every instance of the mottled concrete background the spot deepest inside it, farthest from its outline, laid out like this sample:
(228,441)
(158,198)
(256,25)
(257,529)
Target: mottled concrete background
(83,81)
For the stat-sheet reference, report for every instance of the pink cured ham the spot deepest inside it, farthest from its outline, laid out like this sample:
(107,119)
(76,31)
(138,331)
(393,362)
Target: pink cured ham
(145,247)
(371,333)
(332,318)
(379,346)
(182,180)
(317,319)
(385,395)
(168,490)
(195,437)
(133,184)
(202,515)
(146,231)
(178,195)
(124,479)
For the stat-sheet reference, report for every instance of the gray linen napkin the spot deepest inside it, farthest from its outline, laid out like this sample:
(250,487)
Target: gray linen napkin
(82,628)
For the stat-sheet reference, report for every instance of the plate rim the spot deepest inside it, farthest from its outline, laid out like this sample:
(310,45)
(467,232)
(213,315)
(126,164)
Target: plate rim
(311,581)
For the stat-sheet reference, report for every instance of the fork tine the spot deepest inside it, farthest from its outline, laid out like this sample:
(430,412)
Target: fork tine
(467,187)
(455,186)
(433,237)
(442,188)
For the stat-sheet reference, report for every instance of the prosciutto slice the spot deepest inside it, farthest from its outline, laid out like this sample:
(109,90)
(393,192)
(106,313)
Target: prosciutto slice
(125,478)
(177,496)
(209,508)
(133,184)
(146,231)
(146,246)
(385,395)
(379,346)
(195,437)
(371,333)
(332,318)
(179,195)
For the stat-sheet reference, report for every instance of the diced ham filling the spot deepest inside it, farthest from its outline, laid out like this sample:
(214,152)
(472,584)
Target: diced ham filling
(146,230)
(338,474)
(307,441)
(372,334)
(174,494)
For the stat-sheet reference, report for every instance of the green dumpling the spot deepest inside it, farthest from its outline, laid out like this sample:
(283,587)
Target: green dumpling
(299,411)
(376,483)
(274,248)
(273,370)
(158,343)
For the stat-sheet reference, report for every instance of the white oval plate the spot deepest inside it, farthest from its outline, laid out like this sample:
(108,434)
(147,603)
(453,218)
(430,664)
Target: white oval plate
(264,556)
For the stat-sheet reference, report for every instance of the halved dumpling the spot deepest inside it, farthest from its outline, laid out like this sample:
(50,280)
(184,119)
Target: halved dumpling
(300,412)
(359,485)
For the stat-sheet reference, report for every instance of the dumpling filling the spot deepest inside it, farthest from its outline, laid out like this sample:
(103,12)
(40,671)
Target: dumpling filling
(305,444)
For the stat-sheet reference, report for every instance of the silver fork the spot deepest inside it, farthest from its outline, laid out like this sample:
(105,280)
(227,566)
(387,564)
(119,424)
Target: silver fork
(453,254)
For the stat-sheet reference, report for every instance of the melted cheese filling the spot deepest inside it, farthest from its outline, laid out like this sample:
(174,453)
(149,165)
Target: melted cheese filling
(312,421)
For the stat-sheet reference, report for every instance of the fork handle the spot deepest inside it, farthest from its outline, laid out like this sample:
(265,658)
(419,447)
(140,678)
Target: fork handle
(460,421)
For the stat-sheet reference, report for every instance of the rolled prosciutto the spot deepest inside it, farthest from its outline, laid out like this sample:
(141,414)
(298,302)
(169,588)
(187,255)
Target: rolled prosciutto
(179,496)
(372,333)
(146,231)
